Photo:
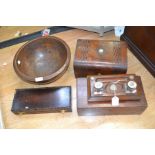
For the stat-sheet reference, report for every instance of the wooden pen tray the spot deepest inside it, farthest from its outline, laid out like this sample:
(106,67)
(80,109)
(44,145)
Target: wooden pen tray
(42,100)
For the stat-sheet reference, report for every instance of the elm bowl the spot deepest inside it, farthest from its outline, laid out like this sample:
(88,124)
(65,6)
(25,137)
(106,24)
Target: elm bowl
(42,60)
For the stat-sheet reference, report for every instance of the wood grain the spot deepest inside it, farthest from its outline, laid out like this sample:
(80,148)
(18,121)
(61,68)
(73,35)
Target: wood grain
(9,81)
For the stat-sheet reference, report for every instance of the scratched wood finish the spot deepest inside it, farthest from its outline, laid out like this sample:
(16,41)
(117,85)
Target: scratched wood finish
(9,81)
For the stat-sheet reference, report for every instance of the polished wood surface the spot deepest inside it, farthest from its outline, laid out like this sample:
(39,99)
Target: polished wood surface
(94,57)
(9,81)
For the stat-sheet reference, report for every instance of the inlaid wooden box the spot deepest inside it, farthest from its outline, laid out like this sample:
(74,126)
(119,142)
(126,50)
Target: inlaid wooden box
(95,94)
(93,57)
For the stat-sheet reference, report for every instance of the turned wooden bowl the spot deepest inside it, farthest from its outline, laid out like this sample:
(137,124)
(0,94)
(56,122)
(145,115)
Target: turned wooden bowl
(42,60)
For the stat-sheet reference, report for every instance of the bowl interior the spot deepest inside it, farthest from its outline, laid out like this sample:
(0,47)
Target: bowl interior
(41,57)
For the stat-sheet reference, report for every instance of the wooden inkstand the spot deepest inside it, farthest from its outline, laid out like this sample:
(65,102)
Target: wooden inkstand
(110,94)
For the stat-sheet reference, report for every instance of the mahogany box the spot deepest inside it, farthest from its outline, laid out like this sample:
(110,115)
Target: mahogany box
(110,95)
(93,57)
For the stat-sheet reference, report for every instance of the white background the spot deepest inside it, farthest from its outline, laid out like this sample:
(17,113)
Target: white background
(77,12)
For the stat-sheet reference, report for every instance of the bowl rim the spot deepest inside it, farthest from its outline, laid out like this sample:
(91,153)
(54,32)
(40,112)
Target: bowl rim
(50,77)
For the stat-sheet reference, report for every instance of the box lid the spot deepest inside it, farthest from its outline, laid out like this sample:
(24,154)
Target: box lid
(101,52)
